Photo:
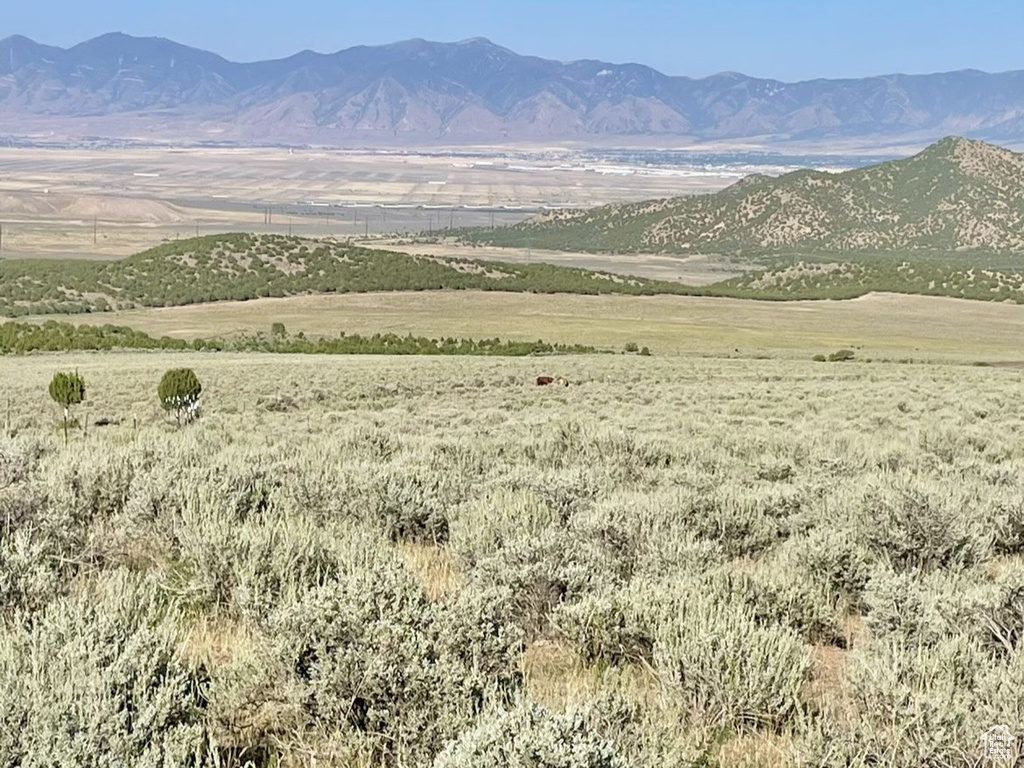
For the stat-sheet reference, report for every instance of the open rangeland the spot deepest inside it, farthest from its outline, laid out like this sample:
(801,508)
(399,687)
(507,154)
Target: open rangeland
(353,561)
(875,326)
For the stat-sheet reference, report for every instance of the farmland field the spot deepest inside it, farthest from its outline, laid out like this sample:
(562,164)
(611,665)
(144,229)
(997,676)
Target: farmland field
(422,561)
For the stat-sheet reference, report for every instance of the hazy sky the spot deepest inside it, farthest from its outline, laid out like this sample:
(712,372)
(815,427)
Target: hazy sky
(786,40)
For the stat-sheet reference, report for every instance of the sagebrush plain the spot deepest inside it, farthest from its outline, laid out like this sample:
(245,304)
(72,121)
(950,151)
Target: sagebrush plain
(418,561)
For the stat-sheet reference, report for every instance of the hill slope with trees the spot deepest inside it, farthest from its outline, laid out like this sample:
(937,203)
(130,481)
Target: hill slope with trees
(238,267)
(956,196)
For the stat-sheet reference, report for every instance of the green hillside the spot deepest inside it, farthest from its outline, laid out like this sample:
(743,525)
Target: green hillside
(956,196)
(241,267)
(984,278)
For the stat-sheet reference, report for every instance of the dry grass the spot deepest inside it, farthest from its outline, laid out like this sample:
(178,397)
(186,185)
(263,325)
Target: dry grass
(876,326)
(434,566)
(756,750)
(828,690)
(555,676)
(216,641)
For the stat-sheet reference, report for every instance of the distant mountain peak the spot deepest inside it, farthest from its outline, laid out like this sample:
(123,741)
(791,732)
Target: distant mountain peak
(952,143)
(20,39)
(473,89)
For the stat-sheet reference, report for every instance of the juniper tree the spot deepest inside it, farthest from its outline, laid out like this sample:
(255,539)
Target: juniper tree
(179,391)
(67,389)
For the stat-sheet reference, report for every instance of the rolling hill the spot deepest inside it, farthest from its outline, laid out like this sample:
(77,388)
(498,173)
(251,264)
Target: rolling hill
(122,86)
(239,267)
(958,195)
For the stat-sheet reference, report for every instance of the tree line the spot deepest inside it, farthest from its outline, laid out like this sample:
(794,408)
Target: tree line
(53,336)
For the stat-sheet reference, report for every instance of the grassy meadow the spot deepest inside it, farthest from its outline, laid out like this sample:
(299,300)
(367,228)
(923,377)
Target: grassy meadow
(378,561)
(880,326)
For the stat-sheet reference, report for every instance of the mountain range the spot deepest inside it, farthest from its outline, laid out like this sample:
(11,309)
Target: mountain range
(957,195)
(419,91)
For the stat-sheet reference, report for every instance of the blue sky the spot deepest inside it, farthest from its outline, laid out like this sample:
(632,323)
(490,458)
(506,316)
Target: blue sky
(785,40)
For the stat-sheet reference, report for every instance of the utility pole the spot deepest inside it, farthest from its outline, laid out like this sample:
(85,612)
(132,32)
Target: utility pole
(197,227)
(94,230)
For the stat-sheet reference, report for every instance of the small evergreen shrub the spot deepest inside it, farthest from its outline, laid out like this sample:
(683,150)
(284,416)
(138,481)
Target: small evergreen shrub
(179,391)
(67,390)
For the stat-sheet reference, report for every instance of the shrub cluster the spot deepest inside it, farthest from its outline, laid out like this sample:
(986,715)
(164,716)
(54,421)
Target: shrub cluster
(51,336)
